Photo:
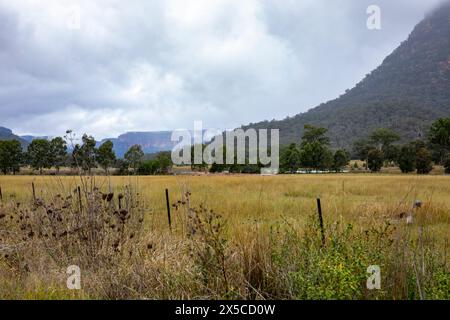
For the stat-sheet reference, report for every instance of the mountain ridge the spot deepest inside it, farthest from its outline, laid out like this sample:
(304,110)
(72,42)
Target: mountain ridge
(409,90)
(150,141)
(7,134)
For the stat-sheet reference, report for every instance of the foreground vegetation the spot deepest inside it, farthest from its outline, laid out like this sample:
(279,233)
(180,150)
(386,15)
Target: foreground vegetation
(264,245)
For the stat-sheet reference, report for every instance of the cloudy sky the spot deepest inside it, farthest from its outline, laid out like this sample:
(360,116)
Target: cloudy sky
(156,65)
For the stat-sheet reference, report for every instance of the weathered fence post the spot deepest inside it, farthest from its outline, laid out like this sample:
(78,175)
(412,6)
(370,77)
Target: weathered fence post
(319,209)
(34,193)
(79,199)
(168,209)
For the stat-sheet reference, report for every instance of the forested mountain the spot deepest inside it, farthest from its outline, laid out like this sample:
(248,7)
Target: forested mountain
(406,93)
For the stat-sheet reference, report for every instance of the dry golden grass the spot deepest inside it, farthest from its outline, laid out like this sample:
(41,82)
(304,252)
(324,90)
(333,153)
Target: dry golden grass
(251,207)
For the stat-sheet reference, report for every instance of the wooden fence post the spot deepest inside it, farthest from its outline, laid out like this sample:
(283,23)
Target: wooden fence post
(79,199)
(168,209)
(34,193)
(319,210)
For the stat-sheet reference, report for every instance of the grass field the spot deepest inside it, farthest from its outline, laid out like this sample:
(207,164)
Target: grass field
(250,237)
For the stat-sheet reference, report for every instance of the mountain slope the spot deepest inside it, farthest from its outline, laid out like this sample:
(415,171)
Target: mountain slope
(7,134)
(406,93)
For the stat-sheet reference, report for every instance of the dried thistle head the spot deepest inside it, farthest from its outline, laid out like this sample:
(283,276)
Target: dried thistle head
(110,196)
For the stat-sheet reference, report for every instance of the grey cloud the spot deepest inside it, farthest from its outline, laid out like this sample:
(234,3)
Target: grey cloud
(154,65)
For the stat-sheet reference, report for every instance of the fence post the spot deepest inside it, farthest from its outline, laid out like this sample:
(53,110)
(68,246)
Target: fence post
(168,209)
(34,193)
(319,209)
(79,199)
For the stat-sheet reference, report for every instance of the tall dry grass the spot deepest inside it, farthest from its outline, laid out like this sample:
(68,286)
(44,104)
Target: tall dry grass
(236,237)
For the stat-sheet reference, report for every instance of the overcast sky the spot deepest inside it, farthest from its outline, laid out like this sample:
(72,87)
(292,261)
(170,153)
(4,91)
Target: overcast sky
(159,65)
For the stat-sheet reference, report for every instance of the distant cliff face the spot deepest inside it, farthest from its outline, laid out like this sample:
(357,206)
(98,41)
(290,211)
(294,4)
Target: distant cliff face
(150,142)
(7,134)
(30,139)
(406,93)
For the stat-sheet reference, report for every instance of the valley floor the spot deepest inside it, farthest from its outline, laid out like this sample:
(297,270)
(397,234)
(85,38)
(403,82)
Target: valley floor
(240,236)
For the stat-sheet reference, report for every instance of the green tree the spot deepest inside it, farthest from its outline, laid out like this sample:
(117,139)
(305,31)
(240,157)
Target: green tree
(10,156)
(164,160)
(407,158)
(423,161)
(383,138)
(341,159)
(105,155)
(439,138)
(314,134)
(134,157)
(290,158)
(123,167)
(84,155)
(326,159)
(361,149)
(375,160)
(316,156)
(315,152)
(39,154)
(58,153)
(148,167)
(391,153)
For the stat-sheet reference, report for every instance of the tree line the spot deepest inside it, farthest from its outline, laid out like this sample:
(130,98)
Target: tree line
(381,148)
(44,154)
(314,153)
